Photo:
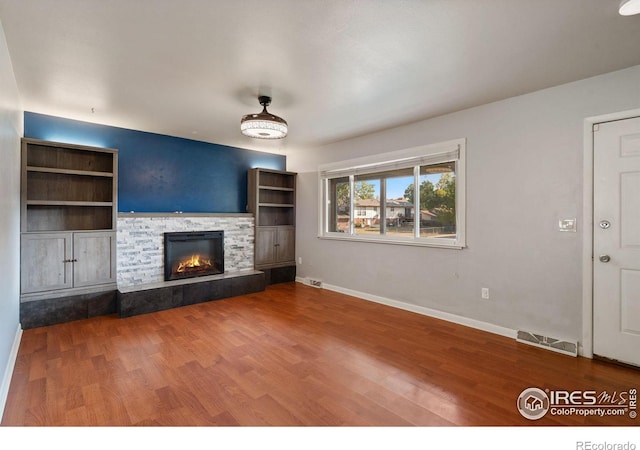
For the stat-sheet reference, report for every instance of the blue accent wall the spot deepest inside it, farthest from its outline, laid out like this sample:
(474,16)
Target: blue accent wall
(158,173)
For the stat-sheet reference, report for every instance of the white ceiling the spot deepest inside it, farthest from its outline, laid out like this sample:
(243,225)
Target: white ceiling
(335,68)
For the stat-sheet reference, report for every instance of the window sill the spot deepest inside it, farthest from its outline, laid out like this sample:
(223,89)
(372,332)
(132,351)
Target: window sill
(434,242)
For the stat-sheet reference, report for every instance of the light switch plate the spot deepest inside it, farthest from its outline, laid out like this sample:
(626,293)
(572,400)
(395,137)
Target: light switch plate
(567,225)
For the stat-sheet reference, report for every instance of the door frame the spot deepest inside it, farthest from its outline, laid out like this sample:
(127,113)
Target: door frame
(586,349)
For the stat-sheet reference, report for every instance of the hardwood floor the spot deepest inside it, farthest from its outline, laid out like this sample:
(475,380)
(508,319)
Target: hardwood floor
(292,355)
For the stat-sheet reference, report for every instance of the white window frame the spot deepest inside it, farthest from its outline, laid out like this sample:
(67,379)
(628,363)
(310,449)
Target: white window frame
(450,151)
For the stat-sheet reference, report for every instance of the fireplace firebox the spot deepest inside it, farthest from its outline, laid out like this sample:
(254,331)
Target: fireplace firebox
(193,254)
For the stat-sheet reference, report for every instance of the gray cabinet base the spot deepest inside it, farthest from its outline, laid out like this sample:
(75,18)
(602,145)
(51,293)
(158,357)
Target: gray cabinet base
(280,274)
(40,313)
(143,301)
(51,311)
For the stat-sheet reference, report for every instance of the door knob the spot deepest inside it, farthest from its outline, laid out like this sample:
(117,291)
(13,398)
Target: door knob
(605,224)
(605,258)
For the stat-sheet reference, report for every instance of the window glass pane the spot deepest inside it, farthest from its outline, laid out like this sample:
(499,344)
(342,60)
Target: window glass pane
(366,214)
(399,211)
(375,197)
(339,207)
(438,200)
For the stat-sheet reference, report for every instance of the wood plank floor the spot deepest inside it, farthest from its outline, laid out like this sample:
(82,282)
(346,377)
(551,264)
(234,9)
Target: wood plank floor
(290,356)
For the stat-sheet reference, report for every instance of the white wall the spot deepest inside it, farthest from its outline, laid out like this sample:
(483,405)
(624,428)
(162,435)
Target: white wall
(11,129)
(524,173)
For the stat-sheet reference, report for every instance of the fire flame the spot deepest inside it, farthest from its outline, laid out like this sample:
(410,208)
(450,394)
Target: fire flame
(195,262)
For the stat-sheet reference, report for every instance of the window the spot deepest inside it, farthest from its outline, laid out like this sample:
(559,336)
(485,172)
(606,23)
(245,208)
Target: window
(375,199)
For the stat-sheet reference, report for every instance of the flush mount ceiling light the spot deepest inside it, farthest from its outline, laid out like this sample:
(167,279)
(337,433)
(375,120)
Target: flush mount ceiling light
(629,7)
(263,125)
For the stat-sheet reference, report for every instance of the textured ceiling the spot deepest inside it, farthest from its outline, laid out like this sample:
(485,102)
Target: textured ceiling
(335,68)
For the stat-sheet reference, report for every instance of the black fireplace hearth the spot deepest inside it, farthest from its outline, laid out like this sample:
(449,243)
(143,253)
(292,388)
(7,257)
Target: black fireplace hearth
(193,254)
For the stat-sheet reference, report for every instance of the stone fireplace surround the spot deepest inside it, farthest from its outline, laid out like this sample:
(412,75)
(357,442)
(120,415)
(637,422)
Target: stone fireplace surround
(140,242)
(140,267)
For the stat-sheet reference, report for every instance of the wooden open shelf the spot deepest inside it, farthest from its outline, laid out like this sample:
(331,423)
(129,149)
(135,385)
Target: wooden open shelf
(68,187)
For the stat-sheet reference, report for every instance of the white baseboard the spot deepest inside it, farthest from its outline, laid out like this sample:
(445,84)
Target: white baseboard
(8,373)
(449,317)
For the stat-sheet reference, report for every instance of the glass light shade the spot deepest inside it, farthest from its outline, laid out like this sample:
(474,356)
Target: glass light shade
(629,7)
(263,126)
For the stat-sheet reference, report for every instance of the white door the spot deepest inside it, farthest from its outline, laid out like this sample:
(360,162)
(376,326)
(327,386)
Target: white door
(616,241)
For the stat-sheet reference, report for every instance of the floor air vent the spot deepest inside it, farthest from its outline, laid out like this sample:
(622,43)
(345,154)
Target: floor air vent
(313,282)
(556,345)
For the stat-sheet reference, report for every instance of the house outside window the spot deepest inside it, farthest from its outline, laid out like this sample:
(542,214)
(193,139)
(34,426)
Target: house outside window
(386,207)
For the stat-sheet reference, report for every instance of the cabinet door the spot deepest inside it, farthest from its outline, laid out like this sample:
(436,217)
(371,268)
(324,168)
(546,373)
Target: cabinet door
(265,245)
(94,258)
(286,245)
(45,262)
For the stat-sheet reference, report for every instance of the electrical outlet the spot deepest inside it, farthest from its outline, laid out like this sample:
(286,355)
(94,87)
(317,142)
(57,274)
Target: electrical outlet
(300,260)
(485,293)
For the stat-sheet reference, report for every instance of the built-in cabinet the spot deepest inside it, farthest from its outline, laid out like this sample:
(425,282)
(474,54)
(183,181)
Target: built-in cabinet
(68,219)
(52,261)
(272,199)
(275,246)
